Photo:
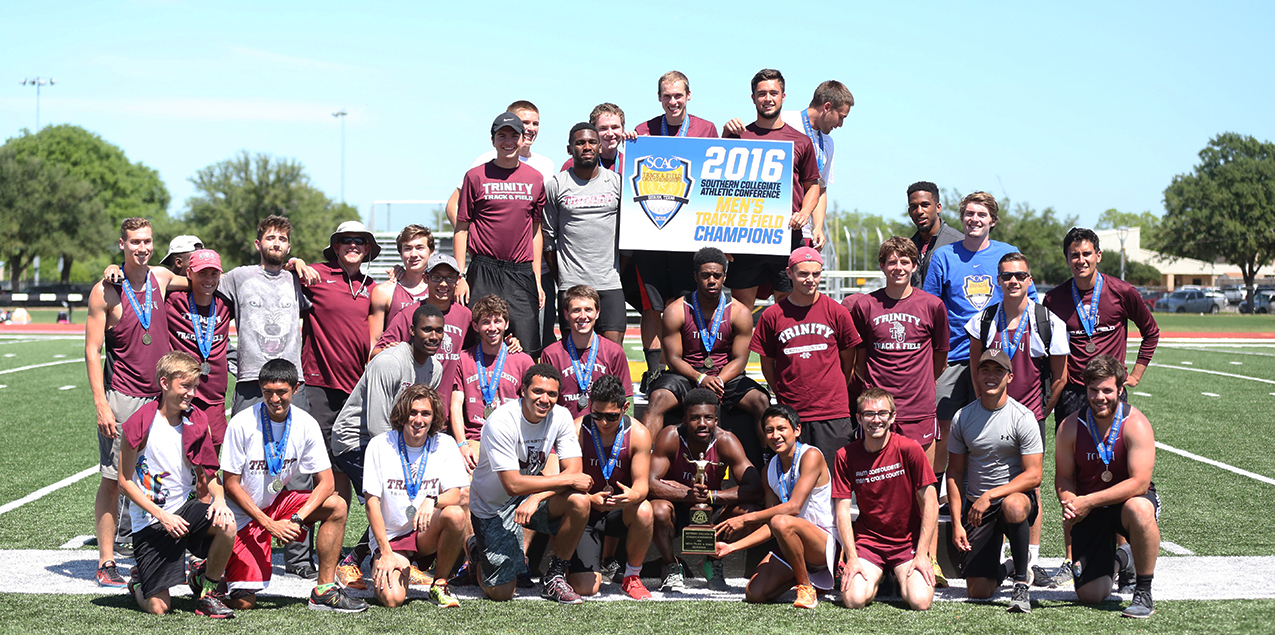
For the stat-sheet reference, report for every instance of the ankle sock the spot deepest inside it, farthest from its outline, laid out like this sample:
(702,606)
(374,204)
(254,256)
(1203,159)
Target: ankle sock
(632,570)
(1143,583)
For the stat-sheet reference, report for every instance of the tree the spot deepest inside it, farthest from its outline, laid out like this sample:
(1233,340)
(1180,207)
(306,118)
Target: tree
(40,205)
(878,228)
(1138,273)
(1225,208)
(1115,219)
(1038,234)
(122,188)
(233,195)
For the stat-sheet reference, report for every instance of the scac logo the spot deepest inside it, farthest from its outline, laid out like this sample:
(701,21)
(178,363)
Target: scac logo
(662,186)
(978,290)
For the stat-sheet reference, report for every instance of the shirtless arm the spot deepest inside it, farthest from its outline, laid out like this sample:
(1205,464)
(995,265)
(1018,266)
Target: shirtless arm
(381,296)
(99,318)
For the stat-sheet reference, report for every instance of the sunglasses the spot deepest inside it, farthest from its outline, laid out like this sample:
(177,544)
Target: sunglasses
(441,279)
(1020,276)
(609,417)
(352,240)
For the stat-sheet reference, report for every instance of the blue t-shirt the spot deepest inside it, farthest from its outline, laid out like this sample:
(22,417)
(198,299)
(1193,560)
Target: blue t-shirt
(966,282)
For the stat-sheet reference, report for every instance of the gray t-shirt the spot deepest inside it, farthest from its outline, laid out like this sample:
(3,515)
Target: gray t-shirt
(367,412)
(511,443)
(268,308)
(580,225)
(995,442)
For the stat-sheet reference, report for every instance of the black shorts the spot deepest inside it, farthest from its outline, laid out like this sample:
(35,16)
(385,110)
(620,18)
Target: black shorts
(611,315)
(325,405)
(983,560)
(351,463)
(515,282)
(734,390)
(1093,539)
(160,557)
(751,270)
(654,278)
(1072,398)
(588,555)
(828,435)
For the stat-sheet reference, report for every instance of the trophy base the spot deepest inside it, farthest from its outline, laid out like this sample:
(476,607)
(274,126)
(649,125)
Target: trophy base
(699,540)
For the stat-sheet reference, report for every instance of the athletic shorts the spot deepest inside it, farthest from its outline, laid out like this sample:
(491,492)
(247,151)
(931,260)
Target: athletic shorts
(983,560)
(325,405)
(1093,539)
(351,463)
(611,313)
(820,575)
(885,558)
(734,390)
(108,450)
(588,555)
(160,557)
(515,282)
(752,270)
(216,414)
(954,390)
(248,394)
(499,553)
(249,566)
(829,435)
(923,431)
(1071,399)
(654,278)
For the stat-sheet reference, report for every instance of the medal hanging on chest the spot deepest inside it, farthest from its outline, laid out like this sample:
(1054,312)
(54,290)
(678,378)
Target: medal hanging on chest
(275,450)
(413,473)
(584,376)
(203,330)
(786,484)
(708,335)
(1106,448)
(489,386)
(143,314)
(1087,315)
(607,467)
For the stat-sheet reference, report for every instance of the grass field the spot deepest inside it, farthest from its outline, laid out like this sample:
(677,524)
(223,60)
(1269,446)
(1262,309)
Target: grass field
(48,425)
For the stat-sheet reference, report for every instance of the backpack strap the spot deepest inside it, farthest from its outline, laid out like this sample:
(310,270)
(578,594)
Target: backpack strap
(985,324)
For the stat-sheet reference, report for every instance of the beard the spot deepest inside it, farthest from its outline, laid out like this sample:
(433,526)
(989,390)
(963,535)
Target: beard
(274,259)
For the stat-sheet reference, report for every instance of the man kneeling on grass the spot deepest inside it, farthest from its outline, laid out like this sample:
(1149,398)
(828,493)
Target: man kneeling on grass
(265,446)
(416,486)
(167,453)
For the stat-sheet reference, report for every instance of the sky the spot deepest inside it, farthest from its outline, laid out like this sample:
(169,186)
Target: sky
(1081,106)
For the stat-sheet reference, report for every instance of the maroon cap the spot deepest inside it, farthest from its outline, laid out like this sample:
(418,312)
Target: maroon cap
(202,259)
(804,254)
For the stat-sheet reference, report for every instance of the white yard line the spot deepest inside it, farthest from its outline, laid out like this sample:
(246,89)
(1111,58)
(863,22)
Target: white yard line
(1214,372)
(49,489)
(1175,549)
(1229,468)
(61,361)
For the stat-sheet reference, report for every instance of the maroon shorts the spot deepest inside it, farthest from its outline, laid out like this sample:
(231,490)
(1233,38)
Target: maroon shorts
(885,558)
(923,431)
(249,566)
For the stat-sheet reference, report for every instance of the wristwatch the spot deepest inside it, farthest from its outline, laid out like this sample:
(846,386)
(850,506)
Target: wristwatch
(296,518)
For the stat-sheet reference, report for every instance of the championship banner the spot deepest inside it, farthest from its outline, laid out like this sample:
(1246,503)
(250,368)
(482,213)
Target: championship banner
(684,193)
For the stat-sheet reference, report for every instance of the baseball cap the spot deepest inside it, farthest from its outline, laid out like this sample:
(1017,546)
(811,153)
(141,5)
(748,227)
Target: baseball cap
(357,228)
(804,254)
(507,119)
(998,356)
(437,258)
(183,244)
(202,259)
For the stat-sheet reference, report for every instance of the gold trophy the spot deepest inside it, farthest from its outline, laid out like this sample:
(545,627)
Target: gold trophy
(699,537)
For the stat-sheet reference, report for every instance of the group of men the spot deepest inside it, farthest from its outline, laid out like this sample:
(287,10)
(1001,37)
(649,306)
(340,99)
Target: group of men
(952,368)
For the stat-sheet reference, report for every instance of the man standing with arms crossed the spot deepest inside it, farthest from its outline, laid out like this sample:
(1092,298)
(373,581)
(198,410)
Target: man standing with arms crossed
(827,111)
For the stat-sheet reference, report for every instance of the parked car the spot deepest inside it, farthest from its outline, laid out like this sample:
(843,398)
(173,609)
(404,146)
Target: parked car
(1262,300)
(1150,297)
(1191,301)
(1217,293)
(1235,293)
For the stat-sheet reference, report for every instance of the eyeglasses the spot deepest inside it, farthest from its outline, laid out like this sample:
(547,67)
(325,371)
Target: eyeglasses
(352,240)
(442,279)
(1020,276)
(880,415)
(609,417)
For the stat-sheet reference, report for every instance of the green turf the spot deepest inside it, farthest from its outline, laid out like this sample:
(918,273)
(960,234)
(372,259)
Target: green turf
(50,315)
(1220,323)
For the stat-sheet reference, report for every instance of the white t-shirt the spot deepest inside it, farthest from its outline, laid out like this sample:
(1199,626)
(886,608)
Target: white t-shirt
(793,118)
(543,164)
(243,452)
(511,443)
(1057,332)
(383,476)
(163,473)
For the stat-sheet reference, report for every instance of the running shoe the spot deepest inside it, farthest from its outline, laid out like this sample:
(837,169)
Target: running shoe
(1020,601)
(674,581)
(1125,582)
(350,576)
(419,578)
(1064,576)
(134,584)
(108,575)
(124,549)
(195,576)
(649,378)
(940,580)
(715,572)
(335,600)
(807,598)
(439,594)
(633,586)
(213,604)
(1141,608)
(464,576)
(557,589)
(612,570)
(1040,577)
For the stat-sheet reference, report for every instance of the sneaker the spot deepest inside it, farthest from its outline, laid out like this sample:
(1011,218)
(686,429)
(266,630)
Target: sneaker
(1125,581)
(350,576)
(633,586)
(612,570)
(335,600)
(806,597)
(557,589)
(124,549)
(440,595)
(940,580)
(212,605)
(1064,576)
(464,576)
(649,378)
(304,570)
(715,573)
(1041,578)
(108,575)
(135,584)
(419,578)
(1020,601)
(1141,608)
(674,581)
(195,576)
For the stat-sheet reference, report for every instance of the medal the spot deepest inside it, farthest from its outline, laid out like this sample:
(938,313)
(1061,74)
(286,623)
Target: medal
(203,330)
(1089,347)
(413,473)
(274,451)
(411,512)
(146,339)
(607,468)
(584,376)
(584,401)
(489,386)
(810,132)
(607,491)
(276,486)
(1106,476)
(708,363)
(1009,344)
(1106,448)
(488,410)
(205,369)
(143,316)
(708,336)
(1088,316)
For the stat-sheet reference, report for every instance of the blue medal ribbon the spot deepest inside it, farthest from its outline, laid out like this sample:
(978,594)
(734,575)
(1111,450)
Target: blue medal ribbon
(1010,346)
(1088,318)
(708,337)
(1107,447)
(820,153)
(583,377)
(274,450)
(203,338)
(681,132)
(143,316)
(786,485)
(413,475)
(490,385)
(609,466)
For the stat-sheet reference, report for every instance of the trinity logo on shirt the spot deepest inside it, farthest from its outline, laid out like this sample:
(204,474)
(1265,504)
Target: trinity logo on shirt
(507,191)
(897,332)
(978,290)
(662,186)
(535,462)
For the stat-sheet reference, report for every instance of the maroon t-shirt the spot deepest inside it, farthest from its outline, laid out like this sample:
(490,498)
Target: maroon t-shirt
(1119,303)
(885,485)
(698,127)
(615,165)
(500,206)
(805,164)
(466,380)
(806,344)
(1089,467)
(593,467)
(899,339)
(683,470)
(610,361)
(335,342)
(130,364)
(212,388)
(402,299)
(693,348)
(456,323)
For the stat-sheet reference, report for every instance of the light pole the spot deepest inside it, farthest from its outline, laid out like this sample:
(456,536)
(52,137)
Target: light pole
(1123,233)
(38,82)
(340,114)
